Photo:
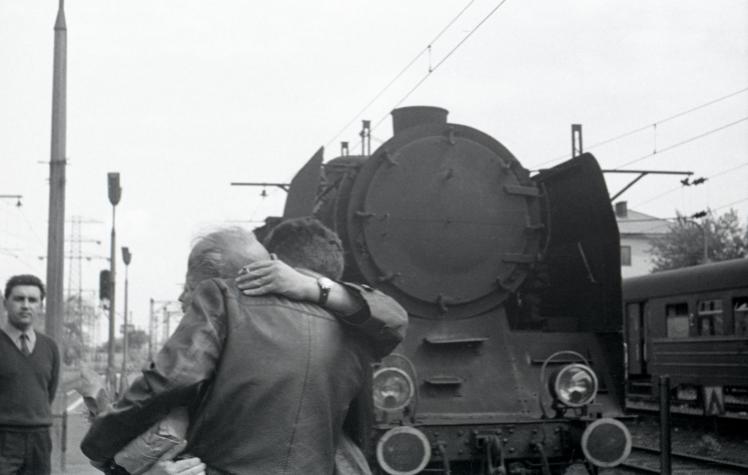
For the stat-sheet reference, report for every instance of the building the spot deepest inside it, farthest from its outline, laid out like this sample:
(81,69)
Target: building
(637,231)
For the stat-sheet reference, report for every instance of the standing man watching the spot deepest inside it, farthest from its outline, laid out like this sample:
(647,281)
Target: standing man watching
(29,373)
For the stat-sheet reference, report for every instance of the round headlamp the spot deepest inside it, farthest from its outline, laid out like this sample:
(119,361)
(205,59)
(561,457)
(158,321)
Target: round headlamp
(403,451)
(606,442)
(393,389)
(575,385)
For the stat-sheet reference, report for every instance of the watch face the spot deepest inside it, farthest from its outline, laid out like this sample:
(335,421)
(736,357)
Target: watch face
(324,283)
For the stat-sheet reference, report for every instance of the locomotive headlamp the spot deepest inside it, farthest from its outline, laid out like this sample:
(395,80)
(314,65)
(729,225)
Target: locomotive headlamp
(574,385)
(403,451)
(606,442)
(393,389)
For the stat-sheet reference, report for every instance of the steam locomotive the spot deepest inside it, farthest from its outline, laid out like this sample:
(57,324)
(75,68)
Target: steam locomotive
(513,362)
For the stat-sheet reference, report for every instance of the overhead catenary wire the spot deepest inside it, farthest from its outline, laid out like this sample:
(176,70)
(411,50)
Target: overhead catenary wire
(652,125)
(433,69)
(682,142)
(402,71)
(730,204)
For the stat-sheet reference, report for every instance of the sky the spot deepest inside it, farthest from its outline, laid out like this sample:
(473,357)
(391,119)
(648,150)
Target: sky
(184,97)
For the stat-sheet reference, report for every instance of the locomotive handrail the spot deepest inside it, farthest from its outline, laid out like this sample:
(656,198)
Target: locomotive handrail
(444,380)
(445,340)
(536,362)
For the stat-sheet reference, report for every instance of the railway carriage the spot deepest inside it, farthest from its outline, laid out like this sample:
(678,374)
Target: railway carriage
(690,324)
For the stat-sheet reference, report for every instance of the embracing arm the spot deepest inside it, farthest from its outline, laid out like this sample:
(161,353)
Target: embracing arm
(377,316)
(187,359)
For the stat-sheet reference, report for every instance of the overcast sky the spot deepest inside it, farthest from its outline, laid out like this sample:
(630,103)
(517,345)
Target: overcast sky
(183,97)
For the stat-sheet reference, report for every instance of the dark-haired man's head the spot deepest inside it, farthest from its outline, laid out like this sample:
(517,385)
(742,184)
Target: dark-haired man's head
(309,244)
(23,300)
(24,279)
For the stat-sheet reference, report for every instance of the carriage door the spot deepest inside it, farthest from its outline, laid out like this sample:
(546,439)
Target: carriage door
(636,338)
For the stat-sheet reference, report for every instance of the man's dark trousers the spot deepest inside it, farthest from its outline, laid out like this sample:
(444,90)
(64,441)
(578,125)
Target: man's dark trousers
(25,451)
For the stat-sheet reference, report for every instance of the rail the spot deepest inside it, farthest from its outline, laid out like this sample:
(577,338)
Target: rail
(646,460)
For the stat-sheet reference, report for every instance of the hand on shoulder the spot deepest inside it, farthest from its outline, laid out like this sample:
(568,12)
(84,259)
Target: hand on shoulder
(276,277)
(190,466)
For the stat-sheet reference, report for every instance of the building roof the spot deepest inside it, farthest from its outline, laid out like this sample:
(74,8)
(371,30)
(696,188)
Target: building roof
(641,224)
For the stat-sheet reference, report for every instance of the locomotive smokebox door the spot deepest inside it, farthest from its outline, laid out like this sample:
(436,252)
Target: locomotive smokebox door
(444,218)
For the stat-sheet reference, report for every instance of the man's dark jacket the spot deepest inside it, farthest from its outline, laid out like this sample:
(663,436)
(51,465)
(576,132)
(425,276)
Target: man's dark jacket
(282,375)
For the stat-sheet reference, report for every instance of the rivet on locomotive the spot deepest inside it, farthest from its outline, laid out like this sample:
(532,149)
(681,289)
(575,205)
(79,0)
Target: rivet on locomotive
(513,362)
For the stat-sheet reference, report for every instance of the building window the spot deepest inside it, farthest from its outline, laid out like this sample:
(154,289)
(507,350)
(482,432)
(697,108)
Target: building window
(740,306)
(709,320)
(625,255)
(677,320)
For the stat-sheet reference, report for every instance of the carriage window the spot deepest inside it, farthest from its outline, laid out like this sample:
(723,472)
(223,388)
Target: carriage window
(740,306)
(625,255)
(709,319)
(677,320)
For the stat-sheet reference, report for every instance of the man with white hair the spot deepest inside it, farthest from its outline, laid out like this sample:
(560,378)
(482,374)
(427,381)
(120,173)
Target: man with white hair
(268,380)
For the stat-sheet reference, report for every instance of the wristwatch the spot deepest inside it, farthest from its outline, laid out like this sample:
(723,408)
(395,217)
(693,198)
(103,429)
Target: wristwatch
(325,286)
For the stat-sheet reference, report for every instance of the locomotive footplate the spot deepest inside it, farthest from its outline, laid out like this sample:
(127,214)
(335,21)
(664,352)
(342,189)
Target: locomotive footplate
(537,440)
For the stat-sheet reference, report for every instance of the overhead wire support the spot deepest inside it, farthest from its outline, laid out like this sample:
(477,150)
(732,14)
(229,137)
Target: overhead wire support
(667,192)
(642,174)
(282,186)
(402,71)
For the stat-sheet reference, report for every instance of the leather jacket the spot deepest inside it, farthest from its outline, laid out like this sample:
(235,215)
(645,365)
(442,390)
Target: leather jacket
(269,381)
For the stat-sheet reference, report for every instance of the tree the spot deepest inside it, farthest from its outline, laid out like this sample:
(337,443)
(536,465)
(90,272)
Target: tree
(698,239)
(137,339)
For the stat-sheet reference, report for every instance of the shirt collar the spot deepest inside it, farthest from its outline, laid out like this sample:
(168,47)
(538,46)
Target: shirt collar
(15,334)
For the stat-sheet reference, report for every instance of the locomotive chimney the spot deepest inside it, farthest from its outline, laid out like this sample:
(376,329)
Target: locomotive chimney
(406,117)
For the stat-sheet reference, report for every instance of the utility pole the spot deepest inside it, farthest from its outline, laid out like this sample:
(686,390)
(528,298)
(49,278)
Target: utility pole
(704,216)
(151,329)
(56,230)
(75,259)
(115,193)
(126,257)
(153,325)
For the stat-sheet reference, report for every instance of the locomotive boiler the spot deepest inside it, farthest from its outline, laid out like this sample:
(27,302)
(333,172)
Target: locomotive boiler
(513,361)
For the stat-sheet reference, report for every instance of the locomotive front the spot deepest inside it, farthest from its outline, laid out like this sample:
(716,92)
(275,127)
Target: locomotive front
(510,282)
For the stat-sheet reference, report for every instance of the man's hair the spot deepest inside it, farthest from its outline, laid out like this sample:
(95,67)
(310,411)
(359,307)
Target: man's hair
(222,253)
(24,279)
(307,243)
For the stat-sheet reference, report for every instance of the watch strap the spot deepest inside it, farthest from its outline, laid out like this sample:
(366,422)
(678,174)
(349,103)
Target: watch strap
(324,290)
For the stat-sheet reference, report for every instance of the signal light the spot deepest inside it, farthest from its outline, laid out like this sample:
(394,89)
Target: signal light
(114,190)
(104,285)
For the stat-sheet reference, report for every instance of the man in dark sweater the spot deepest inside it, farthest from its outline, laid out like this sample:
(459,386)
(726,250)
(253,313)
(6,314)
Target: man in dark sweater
(29,372)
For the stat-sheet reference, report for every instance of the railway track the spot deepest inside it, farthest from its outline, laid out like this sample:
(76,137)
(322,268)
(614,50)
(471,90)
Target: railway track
(732,411)
(647,460)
